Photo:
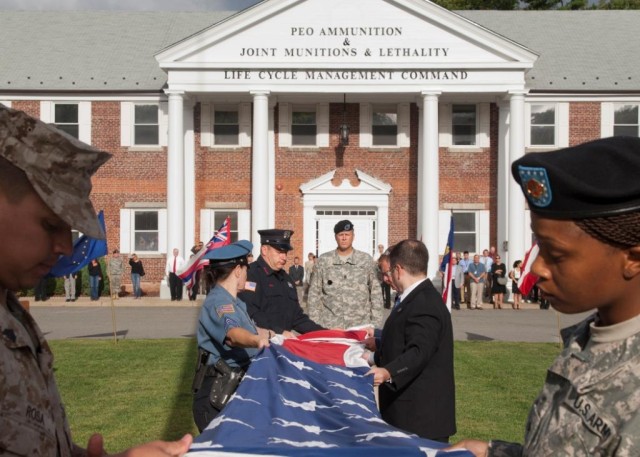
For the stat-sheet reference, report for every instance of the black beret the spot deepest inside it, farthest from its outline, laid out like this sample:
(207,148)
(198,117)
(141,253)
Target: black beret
(343,226)
(277,238)
(594,179)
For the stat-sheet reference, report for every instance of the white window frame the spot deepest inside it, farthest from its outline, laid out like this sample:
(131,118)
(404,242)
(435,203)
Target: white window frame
(285,118)
(127,127)
(127,229)
(48,110)
(6,103)
(403,110)
(208,227)
(482,233)
(561,125)
(386,109)
(483,126)
(207,118)
(613,117)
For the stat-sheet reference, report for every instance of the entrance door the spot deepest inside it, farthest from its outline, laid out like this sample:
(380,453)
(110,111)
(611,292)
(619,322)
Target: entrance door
(364,222)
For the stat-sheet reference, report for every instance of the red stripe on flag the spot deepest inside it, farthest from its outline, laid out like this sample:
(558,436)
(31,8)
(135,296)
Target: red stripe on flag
(527,279)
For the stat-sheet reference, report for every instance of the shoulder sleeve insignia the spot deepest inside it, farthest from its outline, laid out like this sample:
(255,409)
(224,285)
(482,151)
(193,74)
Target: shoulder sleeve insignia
(229,324)
(225,309)
(250,286)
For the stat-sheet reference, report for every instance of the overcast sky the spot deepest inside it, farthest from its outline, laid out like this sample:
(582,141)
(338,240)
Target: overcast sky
(139,5)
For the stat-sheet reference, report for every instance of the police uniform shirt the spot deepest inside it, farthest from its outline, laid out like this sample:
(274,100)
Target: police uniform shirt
(220,313)
(32,419)
(272,300)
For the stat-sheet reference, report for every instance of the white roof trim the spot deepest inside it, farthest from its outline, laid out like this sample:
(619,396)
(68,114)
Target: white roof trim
(368,185)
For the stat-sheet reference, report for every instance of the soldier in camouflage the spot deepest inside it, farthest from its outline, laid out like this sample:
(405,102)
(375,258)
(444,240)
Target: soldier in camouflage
(45,182)
(587,224)
(345,290)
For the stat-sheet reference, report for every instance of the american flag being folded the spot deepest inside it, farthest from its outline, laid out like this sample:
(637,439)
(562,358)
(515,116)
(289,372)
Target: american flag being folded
(287,405)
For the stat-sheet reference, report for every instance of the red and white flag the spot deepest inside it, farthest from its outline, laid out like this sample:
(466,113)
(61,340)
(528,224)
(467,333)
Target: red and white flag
(335,347)
(527,279)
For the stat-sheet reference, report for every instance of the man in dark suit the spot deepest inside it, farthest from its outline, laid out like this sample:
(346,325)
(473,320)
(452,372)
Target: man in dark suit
(414,360)
(296,271)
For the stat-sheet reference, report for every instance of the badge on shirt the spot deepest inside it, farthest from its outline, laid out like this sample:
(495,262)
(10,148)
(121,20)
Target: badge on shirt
(250,286)
(225,309)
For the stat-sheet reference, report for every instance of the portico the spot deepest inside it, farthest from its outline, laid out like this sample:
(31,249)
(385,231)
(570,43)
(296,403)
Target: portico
(282,56)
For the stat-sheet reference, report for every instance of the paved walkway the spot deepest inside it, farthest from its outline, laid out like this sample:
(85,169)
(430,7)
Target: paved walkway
(151,317)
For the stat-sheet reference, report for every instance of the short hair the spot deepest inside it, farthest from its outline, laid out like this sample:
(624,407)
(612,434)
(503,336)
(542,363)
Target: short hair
(412,255)
(115,251)
(14,183)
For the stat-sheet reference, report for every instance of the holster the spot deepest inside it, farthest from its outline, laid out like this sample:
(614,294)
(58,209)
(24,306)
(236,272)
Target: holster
(201,370)
(225,383)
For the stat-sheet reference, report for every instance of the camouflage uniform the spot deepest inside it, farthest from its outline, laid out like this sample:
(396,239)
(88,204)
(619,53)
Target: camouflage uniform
(347,293)
(116,268)
(32,419)
(590,403)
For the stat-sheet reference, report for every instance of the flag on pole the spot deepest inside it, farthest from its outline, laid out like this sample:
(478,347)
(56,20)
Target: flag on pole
(221,238)
(527,279)
(288,405)
(85,249)
(446,267)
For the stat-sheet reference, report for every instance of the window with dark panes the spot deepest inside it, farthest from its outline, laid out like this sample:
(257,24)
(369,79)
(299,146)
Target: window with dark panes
(543,125)
(145,231)
(146,126)
(384,128)
(625,120)
(65,117)
(303,128)
(218,219)
(226,127)
(463,125)
(464,238)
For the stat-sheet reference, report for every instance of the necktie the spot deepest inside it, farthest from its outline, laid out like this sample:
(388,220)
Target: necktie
(175,259)
(396,302)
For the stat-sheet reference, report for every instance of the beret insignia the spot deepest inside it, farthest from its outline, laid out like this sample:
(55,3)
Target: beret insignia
(536,186)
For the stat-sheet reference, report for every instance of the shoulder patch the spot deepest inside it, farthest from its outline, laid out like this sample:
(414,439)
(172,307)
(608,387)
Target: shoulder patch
(225,309)
(250,286)
(229,324)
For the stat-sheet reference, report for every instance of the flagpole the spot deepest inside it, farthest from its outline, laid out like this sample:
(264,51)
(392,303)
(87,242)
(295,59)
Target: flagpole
(113,305)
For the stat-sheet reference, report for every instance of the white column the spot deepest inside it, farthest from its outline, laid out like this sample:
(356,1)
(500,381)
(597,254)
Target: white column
(175,173)
(189,181)
(271,217)
(504,176)
(429,178)
(516,214)
(260,167)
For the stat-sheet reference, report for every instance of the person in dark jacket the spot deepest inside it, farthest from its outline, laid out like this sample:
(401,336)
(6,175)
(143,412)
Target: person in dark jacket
(270,295)
(414,360)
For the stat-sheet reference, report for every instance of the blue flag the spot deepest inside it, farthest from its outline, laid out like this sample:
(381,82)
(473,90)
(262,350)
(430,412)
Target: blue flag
(85,249)
(290,406)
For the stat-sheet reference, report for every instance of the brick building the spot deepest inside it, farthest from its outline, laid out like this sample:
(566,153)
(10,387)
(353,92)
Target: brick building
(396,114)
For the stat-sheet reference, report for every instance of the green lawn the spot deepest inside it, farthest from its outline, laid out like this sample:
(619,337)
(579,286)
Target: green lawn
(136,391)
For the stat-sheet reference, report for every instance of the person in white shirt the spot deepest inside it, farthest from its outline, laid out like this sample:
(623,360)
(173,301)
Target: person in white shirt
(174,264)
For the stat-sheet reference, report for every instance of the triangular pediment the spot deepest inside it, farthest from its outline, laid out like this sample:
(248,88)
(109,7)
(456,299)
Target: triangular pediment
(346,34)
(324,185)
